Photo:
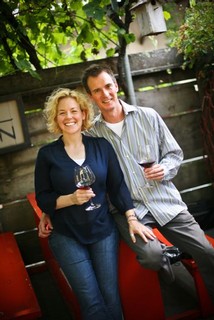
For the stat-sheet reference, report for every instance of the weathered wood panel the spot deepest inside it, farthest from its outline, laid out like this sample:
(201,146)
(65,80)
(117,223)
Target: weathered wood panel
(203,194)
(170,100)
(191,174)
(160,76)
(187,132)
(15,216)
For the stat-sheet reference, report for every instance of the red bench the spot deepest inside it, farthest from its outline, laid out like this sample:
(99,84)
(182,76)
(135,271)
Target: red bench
(17,297)
(139,288)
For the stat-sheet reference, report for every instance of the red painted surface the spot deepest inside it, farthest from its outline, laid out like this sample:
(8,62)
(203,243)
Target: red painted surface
(139,287)
(54,268)
(17,297)
(205,304)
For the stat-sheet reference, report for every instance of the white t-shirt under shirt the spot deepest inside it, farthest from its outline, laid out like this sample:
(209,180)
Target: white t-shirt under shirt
(79,161)
(116,127)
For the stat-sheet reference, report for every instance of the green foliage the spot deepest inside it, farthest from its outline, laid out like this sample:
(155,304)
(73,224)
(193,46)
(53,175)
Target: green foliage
(39,34)
(195,37)
(173,21)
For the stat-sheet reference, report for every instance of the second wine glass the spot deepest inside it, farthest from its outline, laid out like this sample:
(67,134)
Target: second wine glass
(147,160)
(84,177)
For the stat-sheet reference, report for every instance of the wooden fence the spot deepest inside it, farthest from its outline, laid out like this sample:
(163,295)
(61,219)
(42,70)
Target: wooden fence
(159,83)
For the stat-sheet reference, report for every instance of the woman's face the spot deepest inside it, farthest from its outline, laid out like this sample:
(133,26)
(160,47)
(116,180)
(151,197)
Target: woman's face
(69,116)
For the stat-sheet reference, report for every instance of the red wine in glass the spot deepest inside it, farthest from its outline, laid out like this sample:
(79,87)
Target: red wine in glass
(84,178)
(147,160)
(146,164)
(79,186)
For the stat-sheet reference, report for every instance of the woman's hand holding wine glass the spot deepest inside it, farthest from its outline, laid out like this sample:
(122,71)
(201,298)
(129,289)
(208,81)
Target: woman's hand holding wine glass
(84,178)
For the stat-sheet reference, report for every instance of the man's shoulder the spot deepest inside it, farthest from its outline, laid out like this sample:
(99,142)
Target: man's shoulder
(147,110)
(145,113)
(138,109)
(97,119)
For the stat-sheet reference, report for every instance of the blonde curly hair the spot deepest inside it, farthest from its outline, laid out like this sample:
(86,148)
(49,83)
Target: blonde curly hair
(51,106)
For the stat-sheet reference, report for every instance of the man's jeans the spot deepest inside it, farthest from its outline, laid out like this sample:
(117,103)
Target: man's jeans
(92,271)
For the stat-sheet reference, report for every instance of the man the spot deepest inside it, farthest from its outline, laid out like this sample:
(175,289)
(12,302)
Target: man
(130,129)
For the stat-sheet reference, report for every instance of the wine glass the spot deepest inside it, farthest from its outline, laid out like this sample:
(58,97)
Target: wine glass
(147,160)
(84,178)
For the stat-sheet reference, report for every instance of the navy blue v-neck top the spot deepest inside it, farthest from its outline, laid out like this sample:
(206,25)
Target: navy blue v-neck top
(54,176)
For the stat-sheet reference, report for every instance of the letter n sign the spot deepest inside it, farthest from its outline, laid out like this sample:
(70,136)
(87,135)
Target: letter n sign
(13,126)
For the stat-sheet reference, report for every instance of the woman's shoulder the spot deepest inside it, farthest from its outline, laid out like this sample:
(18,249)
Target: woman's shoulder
(98,140)
(51,145)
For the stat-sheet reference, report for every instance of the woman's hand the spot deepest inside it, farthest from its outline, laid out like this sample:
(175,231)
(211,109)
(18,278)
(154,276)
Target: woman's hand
(45,226)
(135,227)
(81,196)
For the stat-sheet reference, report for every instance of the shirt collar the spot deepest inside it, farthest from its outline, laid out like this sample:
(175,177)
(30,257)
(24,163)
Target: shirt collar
(126,107)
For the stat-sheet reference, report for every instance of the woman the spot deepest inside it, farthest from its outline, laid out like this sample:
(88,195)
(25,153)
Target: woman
(85,243)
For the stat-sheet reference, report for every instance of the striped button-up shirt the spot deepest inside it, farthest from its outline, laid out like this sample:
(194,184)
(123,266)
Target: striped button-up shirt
(144,126)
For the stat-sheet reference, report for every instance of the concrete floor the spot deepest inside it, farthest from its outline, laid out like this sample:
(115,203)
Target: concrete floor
(178,297)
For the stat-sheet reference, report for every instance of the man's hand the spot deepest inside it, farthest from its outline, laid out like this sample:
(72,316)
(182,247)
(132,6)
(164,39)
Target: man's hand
(156,172)
(135,227)
(45,226)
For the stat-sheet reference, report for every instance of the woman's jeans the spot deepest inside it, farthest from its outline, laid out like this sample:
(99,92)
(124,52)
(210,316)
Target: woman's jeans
(92,271)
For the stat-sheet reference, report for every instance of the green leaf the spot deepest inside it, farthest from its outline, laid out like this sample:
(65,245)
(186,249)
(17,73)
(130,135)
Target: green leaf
(110,52)
(94,10)
(167,15)
(85,35)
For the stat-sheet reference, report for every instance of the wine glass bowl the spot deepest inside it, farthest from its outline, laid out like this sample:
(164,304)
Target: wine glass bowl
(146,160)
(146,164)
(84,177)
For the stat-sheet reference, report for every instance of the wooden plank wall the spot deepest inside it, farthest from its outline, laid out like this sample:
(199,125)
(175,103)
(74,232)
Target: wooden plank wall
(159,83)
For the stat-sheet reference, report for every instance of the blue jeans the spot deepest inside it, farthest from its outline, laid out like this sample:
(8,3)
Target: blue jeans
(92,271)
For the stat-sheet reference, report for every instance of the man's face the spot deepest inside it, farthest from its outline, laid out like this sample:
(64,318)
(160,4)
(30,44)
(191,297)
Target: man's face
(103,91)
